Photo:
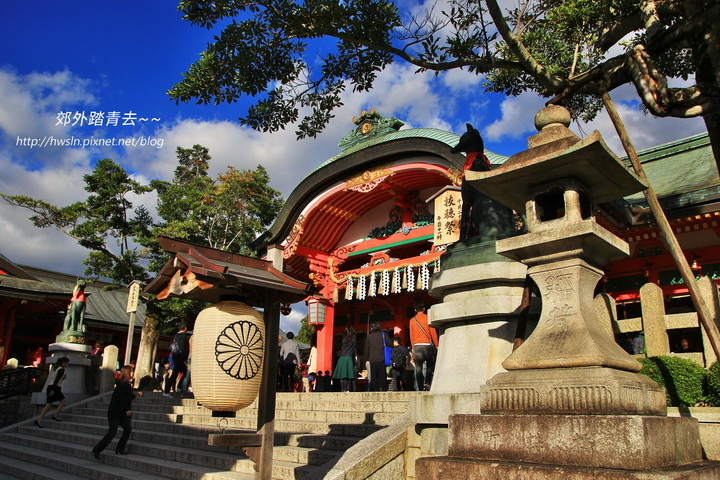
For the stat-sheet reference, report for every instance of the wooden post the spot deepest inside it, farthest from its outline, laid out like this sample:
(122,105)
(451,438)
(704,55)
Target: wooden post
(109,365)
(709,291)
(133,295)
(266,398)
(668,235)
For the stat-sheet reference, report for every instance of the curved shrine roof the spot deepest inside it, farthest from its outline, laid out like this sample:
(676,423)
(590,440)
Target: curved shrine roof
(353,161)
(448,138)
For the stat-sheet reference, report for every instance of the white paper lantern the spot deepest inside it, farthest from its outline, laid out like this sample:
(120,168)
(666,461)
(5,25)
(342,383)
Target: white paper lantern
(227,356)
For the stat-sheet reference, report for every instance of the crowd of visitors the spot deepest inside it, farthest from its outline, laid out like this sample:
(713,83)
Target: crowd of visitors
(383,364)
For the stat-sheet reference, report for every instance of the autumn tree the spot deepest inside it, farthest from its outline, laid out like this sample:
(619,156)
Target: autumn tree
(565,50)
(306,332)
(226,213)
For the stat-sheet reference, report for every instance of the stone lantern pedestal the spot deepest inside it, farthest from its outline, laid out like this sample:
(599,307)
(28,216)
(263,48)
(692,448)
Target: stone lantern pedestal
(481,293)
(570,404)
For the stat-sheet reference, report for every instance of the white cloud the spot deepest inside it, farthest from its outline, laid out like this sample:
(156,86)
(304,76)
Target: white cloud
(291,323)
(517,118)
(462,80)
(31,102)
(645,131)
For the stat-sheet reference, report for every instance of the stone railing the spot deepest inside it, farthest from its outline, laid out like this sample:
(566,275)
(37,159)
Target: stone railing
(655,322)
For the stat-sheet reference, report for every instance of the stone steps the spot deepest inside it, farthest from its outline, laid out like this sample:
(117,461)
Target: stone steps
(169,438)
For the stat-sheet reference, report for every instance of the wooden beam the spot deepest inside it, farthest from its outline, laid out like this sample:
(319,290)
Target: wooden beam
(234,440)
(705,316)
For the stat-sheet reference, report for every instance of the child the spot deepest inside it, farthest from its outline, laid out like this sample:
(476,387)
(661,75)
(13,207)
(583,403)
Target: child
(168,373)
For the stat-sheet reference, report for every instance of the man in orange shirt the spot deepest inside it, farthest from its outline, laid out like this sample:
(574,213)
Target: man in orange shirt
(424,341)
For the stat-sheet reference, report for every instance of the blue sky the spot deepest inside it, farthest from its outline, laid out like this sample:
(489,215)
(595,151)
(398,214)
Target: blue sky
(110,56)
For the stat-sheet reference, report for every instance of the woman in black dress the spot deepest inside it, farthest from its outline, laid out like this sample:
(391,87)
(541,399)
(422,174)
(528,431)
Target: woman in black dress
(54,392)
(375,354)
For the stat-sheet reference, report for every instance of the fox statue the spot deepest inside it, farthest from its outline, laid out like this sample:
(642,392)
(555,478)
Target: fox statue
(481,216)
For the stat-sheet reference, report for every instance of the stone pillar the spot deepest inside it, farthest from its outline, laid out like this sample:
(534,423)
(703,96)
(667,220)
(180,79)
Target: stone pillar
(653,318)
(108,369)
(709,291)
(606,312)
(481,294)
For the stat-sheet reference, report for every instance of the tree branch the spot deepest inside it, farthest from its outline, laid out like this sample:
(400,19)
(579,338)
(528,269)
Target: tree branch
(481,64)
(528,62)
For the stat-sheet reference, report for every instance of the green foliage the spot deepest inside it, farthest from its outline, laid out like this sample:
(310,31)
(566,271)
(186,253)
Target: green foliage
(173,310)
(268,51)
(306,332)
(713,384)
(684,380)
(263,53)
(105,223)
(122,240)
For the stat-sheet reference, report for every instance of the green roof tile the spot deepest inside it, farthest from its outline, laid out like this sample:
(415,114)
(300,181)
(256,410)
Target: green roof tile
(447,138)
(679,167)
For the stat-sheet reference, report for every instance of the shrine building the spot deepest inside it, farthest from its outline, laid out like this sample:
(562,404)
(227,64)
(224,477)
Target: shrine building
(360,228)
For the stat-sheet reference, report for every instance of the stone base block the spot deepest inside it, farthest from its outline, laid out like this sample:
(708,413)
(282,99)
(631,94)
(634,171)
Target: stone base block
(597,441)
(573,391)
(443,468)
(436,409)
(710,438)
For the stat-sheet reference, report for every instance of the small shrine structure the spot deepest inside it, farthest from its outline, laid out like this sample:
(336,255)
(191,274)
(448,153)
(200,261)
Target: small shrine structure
(210,275)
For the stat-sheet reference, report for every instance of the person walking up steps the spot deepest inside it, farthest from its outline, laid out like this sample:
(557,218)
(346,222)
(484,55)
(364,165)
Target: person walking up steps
(180,350)
(54,392)
(119,413)
(290,356)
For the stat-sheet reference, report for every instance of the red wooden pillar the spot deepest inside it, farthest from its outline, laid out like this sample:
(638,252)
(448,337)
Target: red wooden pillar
(325,339)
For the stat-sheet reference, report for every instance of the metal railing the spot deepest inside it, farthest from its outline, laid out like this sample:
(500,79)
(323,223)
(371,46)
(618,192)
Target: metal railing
(17,381)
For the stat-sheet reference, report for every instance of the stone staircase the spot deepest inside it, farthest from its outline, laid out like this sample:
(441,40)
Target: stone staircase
(169,438)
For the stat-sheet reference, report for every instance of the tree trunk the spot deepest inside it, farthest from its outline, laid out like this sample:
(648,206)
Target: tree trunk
(712,123)
(146,352)
(706,55)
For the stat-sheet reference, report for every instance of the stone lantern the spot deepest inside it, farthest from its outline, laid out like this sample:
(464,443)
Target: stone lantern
(571,404)
(570,364)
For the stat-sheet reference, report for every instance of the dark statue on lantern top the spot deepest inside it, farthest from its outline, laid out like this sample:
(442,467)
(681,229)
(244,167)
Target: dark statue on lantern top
(481,217)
